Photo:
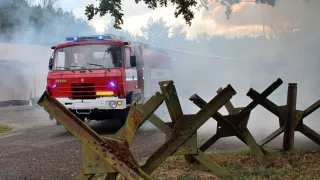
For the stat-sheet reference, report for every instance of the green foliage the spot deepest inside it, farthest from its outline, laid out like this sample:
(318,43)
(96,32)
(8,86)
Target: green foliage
(4,128)
(156,31)
(46,24)
(183,7)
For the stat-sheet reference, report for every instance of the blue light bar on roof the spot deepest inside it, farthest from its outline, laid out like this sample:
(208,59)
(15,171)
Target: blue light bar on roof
(82,38)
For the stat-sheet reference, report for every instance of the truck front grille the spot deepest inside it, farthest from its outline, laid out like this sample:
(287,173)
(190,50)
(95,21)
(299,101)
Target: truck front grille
(83,91)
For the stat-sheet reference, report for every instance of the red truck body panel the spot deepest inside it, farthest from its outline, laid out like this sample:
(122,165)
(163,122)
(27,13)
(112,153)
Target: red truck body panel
(98,77)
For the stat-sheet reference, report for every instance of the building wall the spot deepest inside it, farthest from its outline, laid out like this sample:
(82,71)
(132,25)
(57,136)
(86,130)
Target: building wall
(23,68)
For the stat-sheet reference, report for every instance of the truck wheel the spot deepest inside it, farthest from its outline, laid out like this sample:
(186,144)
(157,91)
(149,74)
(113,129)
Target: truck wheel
(119,121)
(58,124)
(124,115)
(52,118)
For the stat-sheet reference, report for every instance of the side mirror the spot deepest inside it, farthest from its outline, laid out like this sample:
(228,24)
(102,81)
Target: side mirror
(50,63)
(133,61)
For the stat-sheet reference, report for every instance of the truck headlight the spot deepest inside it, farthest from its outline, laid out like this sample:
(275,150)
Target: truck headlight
(113,104)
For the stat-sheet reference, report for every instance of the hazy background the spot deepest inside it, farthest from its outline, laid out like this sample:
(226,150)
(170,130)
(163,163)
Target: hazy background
(287,47)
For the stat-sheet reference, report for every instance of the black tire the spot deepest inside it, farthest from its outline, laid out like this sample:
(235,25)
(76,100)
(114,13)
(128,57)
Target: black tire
(52,118)
(119,121)
(57,123)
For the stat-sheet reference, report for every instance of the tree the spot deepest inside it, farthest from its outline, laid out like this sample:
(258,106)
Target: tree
(23,22)
(156,32)
(111,30)
(183,7)
(178,38)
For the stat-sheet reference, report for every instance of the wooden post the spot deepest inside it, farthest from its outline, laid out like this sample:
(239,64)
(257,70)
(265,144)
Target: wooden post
(288,138)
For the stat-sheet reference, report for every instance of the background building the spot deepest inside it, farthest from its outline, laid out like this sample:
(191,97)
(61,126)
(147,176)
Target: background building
(23,69)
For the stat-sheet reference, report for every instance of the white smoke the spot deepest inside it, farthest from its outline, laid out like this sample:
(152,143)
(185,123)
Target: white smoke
(290,55)
(294,58)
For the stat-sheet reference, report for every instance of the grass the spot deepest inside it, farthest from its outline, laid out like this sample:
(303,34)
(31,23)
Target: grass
(242,165)
(4,128)
(297,165)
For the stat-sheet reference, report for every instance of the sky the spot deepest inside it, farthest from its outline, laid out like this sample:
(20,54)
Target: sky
(137,15)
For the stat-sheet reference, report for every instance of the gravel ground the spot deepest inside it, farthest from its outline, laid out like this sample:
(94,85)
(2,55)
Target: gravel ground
(37,149)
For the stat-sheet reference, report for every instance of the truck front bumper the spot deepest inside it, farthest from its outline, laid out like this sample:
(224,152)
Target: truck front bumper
(104,103)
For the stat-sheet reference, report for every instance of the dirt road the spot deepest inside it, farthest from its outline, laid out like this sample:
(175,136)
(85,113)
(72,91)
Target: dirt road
(37,149)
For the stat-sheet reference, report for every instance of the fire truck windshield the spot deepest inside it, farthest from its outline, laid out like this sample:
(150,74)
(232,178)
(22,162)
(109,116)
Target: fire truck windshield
(88,56)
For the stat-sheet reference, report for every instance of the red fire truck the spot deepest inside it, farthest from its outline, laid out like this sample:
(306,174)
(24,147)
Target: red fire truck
(97,77)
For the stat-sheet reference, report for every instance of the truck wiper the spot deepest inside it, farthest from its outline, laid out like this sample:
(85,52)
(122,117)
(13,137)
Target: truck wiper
(95,64)
(98,65)
(67,68)
(82,67)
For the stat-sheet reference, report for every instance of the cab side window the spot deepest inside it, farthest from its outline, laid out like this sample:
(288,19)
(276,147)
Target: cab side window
(60,60)
(128,53)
